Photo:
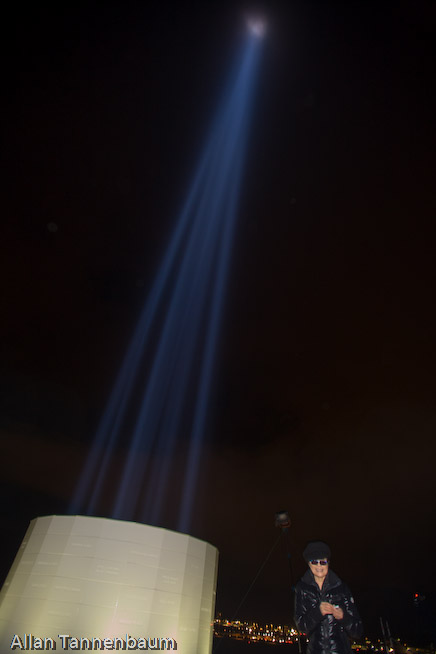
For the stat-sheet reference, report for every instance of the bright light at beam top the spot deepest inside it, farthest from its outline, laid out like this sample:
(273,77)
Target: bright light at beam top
(256,26)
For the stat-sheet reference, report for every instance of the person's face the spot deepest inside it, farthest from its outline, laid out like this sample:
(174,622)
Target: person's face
(319,568)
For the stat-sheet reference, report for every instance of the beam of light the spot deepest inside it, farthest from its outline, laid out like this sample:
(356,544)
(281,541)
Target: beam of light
(170,360)
(256,25)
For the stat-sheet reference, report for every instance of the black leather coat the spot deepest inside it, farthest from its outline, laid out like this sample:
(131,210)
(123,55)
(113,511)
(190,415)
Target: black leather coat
(326,634)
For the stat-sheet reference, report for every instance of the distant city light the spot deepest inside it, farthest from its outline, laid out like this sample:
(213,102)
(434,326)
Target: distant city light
(277,634)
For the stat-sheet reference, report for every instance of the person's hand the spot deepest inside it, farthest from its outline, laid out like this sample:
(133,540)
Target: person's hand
(326,608)
(338,613)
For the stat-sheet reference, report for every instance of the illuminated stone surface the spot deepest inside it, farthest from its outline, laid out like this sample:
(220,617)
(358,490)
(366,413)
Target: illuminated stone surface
(95,577)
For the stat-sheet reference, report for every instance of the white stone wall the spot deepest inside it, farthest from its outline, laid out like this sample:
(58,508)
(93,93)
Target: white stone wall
(100,578)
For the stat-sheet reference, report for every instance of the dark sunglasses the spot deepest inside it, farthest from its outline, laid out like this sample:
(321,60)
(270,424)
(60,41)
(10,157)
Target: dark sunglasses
(319,561)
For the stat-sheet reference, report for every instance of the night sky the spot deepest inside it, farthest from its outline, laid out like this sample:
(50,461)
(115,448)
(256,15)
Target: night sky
(324,394)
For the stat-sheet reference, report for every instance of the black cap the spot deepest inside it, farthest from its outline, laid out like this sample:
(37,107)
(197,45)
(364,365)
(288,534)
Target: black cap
(316,549)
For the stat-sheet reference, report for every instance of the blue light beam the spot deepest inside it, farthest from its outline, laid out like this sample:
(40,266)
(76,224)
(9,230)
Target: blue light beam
(176,338)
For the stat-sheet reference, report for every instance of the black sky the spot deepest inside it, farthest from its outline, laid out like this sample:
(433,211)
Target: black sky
(324,394)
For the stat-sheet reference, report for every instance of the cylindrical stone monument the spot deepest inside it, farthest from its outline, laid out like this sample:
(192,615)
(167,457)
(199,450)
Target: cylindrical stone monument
(93,583)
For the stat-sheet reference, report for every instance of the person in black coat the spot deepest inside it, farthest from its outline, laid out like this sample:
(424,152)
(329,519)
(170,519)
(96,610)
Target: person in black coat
(324,607)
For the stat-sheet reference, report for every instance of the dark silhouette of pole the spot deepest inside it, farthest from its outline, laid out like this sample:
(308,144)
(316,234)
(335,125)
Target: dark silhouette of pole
(284,522)
(218,646)
(384,636)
